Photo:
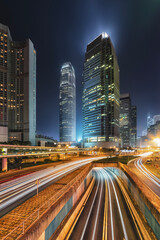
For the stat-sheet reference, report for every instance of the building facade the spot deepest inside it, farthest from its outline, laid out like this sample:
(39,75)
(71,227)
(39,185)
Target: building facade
(101,94)
(133,134)
(18,93)
(128,121)
(125,119)
(67,104)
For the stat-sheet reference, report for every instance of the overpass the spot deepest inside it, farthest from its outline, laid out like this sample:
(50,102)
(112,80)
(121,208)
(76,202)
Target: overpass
(12,151)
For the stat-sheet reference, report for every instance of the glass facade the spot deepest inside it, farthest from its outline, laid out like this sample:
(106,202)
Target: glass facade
(125,120)
(133,126)
(67,104)
(128,121)
(100,92)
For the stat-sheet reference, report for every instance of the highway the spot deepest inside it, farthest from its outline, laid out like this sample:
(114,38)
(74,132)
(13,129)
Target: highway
(14,192)
(137,167)
(117,223)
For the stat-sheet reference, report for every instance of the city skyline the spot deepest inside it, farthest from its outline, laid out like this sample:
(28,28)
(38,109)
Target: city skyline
(136,66)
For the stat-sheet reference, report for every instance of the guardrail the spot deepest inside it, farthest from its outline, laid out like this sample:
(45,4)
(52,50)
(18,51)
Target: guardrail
(26,224)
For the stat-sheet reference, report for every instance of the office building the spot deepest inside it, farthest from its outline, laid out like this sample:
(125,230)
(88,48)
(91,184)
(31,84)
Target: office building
(125,119)
(128,121)
(133,133)
(67,104)
(18,88)
(101,94)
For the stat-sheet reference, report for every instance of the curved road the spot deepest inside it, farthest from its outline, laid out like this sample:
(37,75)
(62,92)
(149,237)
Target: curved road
(118,223)
(152,182)
(16,191)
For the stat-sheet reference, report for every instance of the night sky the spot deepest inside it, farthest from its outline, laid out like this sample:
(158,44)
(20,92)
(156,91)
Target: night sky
(61,30)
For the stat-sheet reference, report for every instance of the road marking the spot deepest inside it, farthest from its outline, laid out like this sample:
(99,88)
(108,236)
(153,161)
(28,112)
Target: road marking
(137,221)
(85,226)
(119,209)
(104,237)
(97,213)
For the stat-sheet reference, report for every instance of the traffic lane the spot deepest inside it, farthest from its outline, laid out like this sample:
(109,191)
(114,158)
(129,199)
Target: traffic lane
(144,178)
(8,202)
(155,179)
(50,170)
(122,224)
(89,222)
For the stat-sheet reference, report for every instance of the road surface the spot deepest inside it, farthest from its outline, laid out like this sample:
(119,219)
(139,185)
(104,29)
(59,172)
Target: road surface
(118,223)
(148,178)
(16,191)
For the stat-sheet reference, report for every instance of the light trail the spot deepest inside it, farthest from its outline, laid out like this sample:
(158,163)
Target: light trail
(138,164)
(86,223)
(97,213)
(14,190)
(119,209)
(110,204)
(145,169)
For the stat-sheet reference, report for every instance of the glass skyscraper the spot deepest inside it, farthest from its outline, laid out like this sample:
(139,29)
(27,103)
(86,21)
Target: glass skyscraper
(101,94)
(128,121)
(125,119)
(67,104)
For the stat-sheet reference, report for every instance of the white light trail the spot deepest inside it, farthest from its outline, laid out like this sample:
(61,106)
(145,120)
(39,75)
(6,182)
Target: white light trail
(118,205)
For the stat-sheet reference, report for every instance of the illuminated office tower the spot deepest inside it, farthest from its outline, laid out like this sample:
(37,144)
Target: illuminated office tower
(101,94)
(5,39)
(125,119)
(133,140)
(18,88)
(67,104)
(128,121)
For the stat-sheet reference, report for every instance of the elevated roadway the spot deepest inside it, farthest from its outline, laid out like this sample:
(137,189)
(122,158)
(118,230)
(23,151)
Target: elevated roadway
(148,178)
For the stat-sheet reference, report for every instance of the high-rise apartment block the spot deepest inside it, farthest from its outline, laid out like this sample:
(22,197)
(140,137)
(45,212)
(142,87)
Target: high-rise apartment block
(17,89)
(101,94)
(67,104)
(128,121)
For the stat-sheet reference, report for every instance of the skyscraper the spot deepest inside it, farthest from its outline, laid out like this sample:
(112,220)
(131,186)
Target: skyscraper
(125,119)
(128,121)
(101,94)
(133,139)
(67,104)
(18,93)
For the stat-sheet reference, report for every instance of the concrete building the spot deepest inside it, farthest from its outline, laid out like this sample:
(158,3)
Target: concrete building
(67,104)
(45,141)
(128,122)
(101,94)
(18,88)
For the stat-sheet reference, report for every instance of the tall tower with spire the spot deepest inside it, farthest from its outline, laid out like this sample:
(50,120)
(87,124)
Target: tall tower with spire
(67,104)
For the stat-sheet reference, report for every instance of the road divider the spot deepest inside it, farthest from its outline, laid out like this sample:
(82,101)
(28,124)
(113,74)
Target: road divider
(143,234)
(74,216)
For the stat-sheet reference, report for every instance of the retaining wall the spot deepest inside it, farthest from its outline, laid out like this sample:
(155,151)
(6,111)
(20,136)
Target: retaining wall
(47,224)
(149,211)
